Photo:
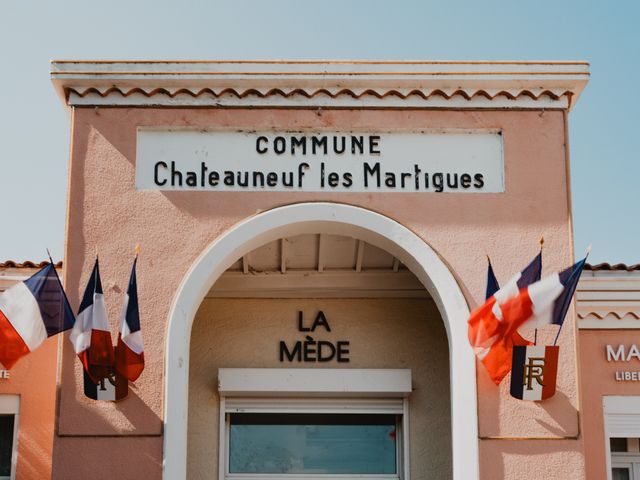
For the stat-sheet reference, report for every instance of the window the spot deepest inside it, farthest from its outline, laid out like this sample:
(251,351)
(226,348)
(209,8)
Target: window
(622,429)
(303,428)
(9,415)
(625,458)
(292,443)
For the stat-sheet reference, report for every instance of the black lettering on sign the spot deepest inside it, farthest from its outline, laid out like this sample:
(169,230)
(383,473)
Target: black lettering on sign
(296,354)
(373,172)
(343,352)
(319,144)
(320,321)
(156,174)
(374,147)
(465,180)
(296,143)
(326,351)
(479,180)
(260,149)
(312,350)
(279,145)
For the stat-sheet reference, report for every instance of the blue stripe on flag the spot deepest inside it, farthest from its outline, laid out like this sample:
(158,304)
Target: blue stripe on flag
(517,371)
(90,388)
(132,316)
(54,308)
(492,282)
(531,272)
(569,279)
(93,286)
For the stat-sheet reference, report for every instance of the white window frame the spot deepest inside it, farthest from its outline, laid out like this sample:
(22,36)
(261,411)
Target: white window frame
(622,420)
(628,460)
(302,390)
(10,405)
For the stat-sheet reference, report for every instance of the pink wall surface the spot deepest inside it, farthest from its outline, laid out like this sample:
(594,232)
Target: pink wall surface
(598,380)
(107,213)
(34,379)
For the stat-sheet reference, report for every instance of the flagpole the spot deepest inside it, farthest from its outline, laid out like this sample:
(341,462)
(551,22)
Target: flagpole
(57,277)
(535,333)
(573,273)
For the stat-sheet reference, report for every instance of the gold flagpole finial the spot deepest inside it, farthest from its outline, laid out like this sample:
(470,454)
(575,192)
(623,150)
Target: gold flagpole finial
(541,242)
(137,249)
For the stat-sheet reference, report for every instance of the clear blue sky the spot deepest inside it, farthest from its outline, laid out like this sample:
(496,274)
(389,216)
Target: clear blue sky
(34,127)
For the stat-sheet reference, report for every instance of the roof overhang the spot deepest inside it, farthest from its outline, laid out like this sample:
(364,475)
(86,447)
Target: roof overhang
(608,297)
(314,84)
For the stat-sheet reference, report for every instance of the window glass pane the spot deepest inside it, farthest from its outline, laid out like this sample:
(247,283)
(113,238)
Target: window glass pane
(312,443)
(620,474)
(618,444)
(6,444)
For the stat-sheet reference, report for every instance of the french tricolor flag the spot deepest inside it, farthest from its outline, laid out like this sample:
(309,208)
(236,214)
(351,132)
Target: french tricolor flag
(498,320)
(90,335)
(130,349)
(30,312)
(550,298)
(488,335)
(534,372)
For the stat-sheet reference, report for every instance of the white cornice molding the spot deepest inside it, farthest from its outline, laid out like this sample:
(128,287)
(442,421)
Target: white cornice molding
(312,84)
(608,300)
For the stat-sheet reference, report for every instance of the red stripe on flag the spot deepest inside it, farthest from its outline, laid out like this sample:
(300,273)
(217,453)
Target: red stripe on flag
(499,335)
(516,311)
(482,323)
(498,360)
(95,372)
(12,347)
(550,371)
(101,349)
(128,363)
(520,341)
(122,386)
(98,360)
(84,359)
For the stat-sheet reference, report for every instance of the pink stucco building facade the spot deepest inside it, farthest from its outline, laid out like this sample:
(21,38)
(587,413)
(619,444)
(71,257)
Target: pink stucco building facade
(265,195)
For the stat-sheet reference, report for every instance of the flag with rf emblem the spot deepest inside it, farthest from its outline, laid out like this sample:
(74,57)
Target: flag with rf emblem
(533,372)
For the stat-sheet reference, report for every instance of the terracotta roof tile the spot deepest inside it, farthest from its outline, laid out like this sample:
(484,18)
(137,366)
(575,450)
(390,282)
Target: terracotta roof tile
(332,92)
(615,267)
(588,266)
(26,264)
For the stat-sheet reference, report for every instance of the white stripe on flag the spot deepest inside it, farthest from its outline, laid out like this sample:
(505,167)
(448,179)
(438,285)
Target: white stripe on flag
(81,332)
(21,309)
(131,340)
(509,290)
(124,326)
(134,342)
(543,295)
(109,392)
(94,317)
(99,319)
(482,352)
(536,389)
(497,311)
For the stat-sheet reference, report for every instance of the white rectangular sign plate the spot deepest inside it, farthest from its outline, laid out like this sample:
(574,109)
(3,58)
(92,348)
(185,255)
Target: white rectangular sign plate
(319,161)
